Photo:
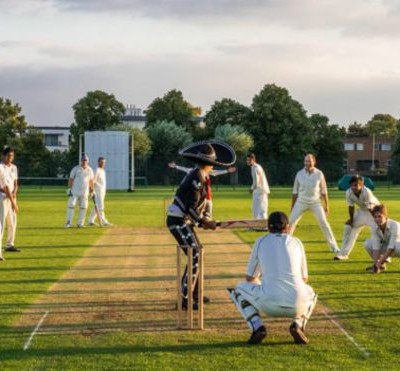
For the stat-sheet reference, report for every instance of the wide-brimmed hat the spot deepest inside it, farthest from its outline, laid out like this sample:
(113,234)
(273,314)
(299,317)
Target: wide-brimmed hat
(210,152)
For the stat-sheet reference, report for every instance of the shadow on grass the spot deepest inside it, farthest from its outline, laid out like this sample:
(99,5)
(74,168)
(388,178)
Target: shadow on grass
(198,348)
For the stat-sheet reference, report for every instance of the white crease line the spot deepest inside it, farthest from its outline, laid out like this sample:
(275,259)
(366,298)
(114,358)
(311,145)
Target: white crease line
(358,346)
(28,342)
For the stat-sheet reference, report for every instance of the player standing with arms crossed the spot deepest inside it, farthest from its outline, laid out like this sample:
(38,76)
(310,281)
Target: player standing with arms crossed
(259,188)
(99,194)
(188,207)
(358,194)
(80,184)
(8,213)
(308,189)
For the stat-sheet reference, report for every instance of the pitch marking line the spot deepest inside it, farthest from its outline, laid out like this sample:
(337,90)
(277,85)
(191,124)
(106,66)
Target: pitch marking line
(28,342)
(358,346)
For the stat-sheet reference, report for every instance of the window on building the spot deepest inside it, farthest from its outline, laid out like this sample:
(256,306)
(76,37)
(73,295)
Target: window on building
(51,140)
(385,147)
(359,147)
(349,146)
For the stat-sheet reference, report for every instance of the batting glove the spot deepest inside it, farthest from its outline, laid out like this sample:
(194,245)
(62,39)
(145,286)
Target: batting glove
(69,192)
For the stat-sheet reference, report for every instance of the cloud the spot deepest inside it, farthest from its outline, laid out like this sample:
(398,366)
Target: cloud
(356,18)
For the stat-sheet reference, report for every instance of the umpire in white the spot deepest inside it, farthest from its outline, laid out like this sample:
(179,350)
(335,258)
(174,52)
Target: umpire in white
(188,208)
(280,260)
(80,184)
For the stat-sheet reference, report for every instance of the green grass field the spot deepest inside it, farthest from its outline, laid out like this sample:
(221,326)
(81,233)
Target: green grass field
(365,305)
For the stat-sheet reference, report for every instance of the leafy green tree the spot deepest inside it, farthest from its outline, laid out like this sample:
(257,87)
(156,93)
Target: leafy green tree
(95,111)
(282,132)
(382,124)
(31,155)
(172,107)
(357,130)
(236,137)
(167,139)
(12,123)
(227,111)
(394,171)
(328,146)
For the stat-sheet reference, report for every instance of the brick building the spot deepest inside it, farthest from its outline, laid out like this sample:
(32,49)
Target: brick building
(363,159)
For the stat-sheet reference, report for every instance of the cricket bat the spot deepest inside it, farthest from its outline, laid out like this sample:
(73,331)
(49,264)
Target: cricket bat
(243,223)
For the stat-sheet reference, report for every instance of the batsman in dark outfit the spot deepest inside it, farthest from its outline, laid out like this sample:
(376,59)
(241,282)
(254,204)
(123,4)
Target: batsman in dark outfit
(188,208)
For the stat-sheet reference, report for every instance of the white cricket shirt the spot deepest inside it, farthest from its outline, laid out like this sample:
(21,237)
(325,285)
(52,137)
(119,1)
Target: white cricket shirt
(81,179)
(309,186)
(10,174)
(365,201)
(387,239)
(100,181)
(281,260)
(260,182)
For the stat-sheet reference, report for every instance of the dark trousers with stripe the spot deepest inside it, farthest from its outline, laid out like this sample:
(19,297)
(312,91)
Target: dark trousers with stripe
(186,236)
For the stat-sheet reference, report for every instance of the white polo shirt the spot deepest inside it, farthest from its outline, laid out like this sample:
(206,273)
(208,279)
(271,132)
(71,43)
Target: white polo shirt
(281,260)
(100,181)
(365,201)
(10,174)
(3,183)
(81,177)
(260,182)
(387,239)
(309,186)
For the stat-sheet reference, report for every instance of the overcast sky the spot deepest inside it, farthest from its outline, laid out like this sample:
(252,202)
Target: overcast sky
(340,58)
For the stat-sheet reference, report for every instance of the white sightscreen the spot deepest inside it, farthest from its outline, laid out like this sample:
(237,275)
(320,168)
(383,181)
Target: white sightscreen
(114,146)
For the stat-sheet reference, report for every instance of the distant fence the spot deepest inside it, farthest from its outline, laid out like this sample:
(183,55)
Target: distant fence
(62,181)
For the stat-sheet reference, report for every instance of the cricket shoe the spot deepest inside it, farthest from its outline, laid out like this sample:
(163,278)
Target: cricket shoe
(258,336)
(92,224)
(12,249)
(2,259)
(68,225)
(80,226)
(107,224)
(297,333)
(375,269)
(334,249)
(341,257)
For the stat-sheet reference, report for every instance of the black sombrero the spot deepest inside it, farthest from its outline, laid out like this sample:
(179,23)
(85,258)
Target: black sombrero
(210,152)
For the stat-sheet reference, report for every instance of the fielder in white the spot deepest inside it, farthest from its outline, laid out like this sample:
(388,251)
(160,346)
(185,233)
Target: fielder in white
(99,194)
(308,189)
(281,261)
(9,208)
(80,184)
(213,172)
(259,188)
(385,239)
(363,197)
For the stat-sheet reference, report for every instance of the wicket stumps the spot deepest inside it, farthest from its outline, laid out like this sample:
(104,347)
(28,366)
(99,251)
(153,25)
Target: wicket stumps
(191,282)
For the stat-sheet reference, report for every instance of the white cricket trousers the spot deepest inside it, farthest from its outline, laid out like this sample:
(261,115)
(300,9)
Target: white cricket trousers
(83,205)
(300,311)
(368,245)
(99,200)
(300,208)
(260,204)
(8,218)
(361,218)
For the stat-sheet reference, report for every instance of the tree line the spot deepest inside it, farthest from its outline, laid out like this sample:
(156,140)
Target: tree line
(276,127)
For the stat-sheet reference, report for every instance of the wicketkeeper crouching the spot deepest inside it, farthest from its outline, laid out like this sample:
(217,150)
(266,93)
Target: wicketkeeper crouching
(281,261)
(188,208)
